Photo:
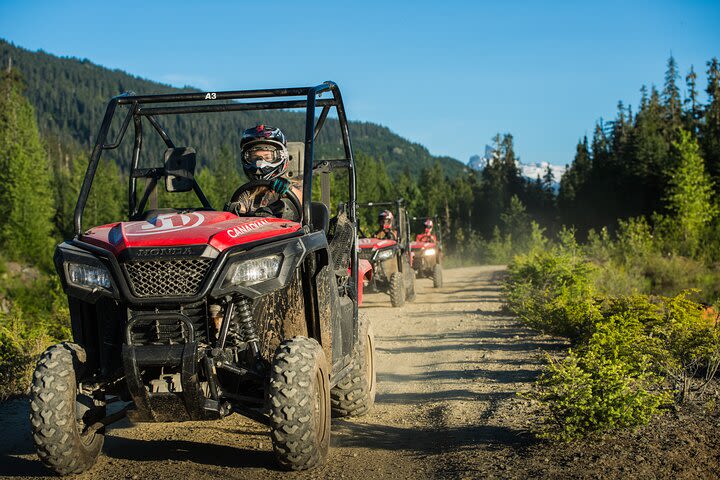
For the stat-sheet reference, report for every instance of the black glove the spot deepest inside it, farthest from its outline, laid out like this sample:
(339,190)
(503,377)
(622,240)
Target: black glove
(280,186)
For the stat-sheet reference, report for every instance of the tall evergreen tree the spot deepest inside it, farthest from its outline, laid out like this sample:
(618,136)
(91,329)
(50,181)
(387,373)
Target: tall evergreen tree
(710,130)
(690,195)
(652,154)
(671,96)
(692,107)
(26,229)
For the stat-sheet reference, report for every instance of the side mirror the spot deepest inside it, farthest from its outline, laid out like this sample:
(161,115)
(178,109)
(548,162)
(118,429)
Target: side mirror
(179,169)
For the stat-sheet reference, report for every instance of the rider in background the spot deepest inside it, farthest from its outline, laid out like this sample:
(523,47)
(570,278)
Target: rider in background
(386,231)
(428,236)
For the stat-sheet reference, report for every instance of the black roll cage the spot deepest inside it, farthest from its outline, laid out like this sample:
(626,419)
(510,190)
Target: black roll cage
(207,102)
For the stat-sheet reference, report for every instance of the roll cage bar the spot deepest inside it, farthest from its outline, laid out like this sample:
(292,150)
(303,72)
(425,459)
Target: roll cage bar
(207,102)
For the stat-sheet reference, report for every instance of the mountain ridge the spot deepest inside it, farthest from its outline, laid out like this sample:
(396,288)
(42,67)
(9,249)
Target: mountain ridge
(70,94)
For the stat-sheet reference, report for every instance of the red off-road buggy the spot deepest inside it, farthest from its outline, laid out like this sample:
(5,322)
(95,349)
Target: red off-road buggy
(427,254)
(195,313)
(390,259)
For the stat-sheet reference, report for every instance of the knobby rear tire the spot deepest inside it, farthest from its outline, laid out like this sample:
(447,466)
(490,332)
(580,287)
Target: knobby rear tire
(397,289)
(354,395)
(437,276)
(411,288)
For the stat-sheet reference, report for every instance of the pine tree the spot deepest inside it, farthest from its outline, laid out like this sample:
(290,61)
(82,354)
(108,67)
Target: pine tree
(548,179)
(572,197)
(107,200)
(690,196)
(26,229)
(407,188)
(671,97)
(652,160)
(433,189)
(692,108)
(515,221)
(710,130)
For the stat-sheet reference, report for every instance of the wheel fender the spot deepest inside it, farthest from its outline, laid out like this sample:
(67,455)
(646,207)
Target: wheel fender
(365,272)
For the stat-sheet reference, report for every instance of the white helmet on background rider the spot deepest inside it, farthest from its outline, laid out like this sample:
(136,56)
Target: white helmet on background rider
(428,226)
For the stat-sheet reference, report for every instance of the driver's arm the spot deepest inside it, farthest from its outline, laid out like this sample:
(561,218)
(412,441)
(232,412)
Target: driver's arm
(244,204)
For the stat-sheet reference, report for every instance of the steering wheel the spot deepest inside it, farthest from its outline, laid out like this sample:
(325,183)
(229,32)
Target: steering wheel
(266,185)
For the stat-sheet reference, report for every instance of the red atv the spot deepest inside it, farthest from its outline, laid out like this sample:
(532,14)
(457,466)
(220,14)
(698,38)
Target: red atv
(427,253)
(390,258)
(194,313)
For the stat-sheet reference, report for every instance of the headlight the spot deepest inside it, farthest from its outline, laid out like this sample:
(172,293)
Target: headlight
(429,252)
(91,276)
(256,270)
(384,254)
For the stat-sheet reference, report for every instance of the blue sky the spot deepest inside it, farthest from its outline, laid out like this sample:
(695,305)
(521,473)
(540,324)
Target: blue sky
(447,74)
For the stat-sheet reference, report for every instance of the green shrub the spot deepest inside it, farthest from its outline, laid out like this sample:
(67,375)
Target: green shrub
(599,246)
(551,291)
(612,279)
(589,392)
(632,353)
(20,345)
(611,380)
(634,241)
(690,344)
(671,274)
(499,250)
(34,315)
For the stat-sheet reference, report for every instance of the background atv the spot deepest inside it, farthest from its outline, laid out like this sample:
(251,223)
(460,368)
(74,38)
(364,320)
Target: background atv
(192,313)
(427,256)
(390,260)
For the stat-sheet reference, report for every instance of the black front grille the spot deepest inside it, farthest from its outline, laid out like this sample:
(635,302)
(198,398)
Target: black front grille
(159,328)
(166,278)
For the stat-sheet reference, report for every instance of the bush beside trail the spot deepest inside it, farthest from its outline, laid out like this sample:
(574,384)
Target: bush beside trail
(33,316)
(630,356)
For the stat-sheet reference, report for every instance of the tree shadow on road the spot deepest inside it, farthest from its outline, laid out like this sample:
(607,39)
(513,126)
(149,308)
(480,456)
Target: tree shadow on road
(16,466)
(520,375)
(426,440)
(202,453)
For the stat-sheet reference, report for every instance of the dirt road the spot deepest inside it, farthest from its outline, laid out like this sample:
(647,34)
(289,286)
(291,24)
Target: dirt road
(449,367)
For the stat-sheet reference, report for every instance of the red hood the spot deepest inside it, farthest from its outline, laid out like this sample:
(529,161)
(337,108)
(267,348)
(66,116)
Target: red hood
(219,229)
(375,243)
(419,245)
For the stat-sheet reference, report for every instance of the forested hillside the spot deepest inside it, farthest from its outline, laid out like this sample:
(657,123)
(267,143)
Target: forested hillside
(69,96)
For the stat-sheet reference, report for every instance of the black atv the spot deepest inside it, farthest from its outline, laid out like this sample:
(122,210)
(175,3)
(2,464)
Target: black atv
(390,259)
(194,313)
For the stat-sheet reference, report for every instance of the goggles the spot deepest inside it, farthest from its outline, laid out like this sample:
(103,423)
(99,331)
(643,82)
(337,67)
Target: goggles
(254,156)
